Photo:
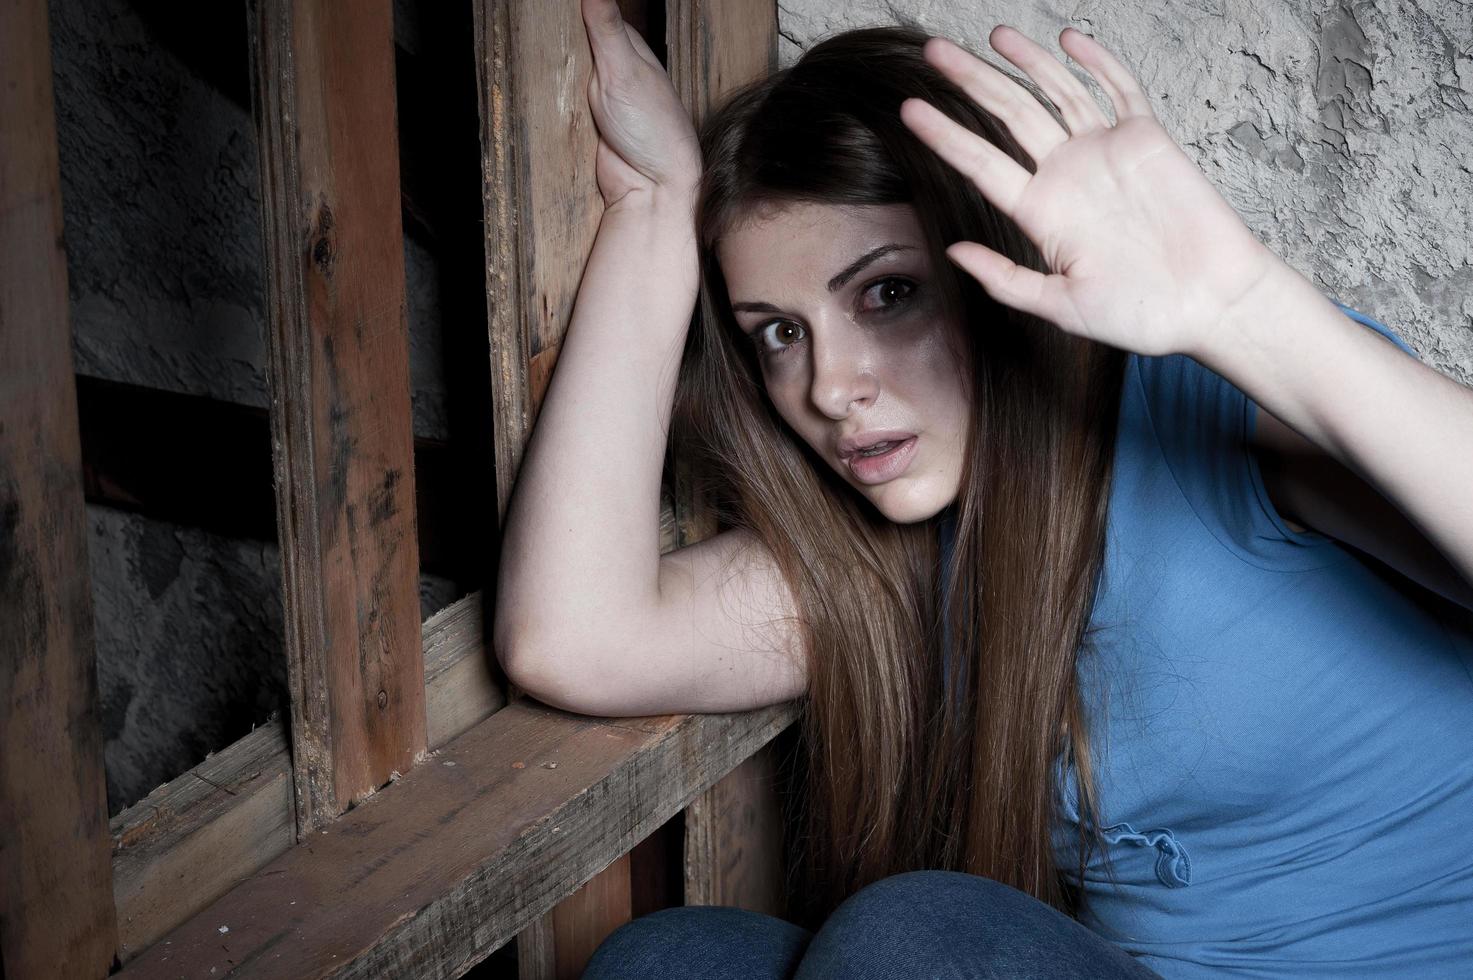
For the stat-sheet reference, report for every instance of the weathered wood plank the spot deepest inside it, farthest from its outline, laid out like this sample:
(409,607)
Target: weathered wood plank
(585,918)
(733,833)
(537,950)
(542,209)
(56,911)
(429,876)
(713,48)
(461,685)
(734,840)
(541,200)
(192,839)
(339,372)
(716,47)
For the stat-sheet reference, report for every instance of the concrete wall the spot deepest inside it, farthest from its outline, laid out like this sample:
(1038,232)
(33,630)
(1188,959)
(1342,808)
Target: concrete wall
(1341,132)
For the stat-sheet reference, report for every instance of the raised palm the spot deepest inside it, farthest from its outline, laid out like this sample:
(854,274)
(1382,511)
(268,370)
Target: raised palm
(1143,253)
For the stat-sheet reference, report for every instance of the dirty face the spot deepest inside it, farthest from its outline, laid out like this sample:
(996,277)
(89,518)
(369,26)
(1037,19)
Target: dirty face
(857,355)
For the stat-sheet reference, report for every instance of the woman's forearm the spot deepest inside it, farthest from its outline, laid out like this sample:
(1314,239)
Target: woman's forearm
(580,547)
(1403,427)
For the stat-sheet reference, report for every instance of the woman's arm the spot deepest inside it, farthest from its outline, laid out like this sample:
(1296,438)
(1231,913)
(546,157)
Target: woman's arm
(1310,487)
(1145,255)
(589,615)
(581,541)
(1401,426)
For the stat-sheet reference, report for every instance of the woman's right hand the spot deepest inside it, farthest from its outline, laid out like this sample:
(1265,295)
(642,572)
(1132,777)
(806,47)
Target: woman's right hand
(646,139)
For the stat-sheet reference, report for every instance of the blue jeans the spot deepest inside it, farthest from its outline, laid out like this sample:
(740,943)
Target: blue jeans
(922,924)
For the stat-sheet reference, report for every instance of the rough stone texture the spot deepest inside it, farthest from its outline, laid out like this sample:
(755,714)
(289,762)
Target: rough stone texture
(162,212)
(161,207)
(163,221)
(188,644)
(1341,132)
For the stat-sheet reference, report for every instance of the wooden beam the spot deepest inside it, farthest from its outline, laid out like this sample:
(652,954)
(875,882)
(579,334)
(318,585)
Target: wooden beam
(716,47)
(463,683)
(734,840)
(733,833)
(339,373)
(542,209)
(713,48)
(434,873)
(584,919)
(536,950)
(56,912)
(542,205)
(189,841)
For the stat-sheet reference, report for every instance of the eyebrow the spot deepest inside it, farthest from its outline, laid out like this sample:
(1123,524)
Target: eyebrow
(844,275)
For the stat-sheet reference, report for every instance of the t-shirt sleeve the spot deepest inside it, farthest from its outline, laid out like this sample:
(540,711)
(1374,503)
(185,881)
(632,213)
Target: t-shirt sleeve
(1203,424)
(1379,327)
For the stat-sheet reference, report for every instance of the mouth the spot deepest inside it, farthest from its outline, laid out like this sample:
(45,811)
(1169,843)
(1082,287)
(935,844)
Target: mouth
(882,461)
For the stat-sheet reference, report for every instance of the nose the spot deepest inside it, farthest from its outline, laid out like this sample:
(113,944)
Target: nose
(843,374)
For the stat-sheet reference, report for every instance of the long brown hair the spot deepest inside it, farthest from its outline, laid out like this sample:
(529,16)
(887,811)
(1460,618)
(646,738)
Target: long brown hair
(898,775)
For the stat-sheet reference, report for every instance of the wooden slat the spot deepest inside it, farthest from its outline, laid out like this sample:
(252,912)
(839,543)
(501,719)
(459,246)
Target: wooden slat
(542,205)
(733,836)
(192,839)
(542,209)
(716,47)
(734,840)
(537,950)
(339,372)
(462,684)
(434,873)
(585,918)
(713,48)
(56,912)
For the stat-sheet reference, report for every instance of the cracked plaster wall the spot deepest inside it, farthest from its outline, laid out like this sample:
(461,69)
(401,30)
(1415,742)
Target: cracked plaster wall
(1341,132)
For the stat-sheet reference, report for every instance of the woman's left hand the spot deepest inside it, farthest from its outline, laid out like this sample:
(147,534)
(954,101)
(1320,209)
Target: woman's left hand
(1144,253)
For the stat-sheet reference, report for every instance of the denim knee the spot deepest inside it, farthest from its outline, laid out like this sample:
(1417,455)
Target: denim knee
(700,941)
(952,924)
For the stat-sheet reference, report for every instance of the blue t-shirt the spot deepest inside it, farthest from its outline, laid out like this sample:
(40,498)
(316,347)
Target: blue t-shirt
(1282,729)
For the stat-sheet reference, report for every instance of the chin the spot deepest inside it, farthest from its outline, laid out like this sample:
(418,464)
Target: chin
(907,505)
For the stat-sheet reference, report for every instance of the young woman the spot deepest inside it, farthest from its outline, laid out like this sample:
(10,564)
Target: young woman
(1123,575)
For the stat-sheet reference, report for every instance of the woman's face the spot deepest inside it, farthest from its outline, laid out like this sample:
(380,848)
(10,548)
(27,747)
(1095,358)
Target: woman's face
(844,309)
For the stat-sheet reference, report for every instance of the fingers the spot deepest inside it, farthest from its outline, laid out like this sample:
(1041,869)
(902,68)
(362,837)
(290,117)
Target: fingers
(1119,84)
(642,48)
(1076,105)
(998,176)
(610,37)
(1015,285)
(1036,131)
(604,22)
(617,47)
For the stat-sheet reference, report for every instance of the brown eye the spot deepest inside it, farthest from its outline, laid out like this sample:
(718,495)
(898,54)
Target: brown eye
(890,292)
(776,337)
